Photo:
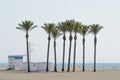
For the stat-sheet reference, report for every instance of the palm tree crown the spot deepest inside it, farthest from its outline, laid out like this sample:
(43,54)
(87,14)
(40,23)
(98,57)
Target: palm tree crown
(62,27)
(70,25)
(84,30)
(95,28)
(76,27)
(55,33)
(26,26)
(48,27)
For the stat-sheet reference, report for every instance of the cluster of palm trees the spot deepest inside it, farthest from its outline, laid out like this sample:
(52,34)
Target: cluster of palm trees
(55,30)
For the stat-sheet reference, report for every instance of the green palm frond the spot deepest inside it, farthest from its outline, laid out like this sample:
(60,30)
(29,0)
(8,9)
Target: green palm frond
(95,28)
(26,26)
(34,27)
(76,27)
(84,30)
(70,25)
(20,28)
(48,27)
(62,26)
(55,33)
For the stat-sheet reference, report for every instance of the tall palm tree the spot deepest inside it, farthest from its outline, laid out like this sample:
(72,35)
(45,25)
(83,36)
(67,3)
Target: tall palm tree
(76,29)
(94,29)
(63,28)
(70,25)
(27,26)
(55,35)
(83,32)
(48,28)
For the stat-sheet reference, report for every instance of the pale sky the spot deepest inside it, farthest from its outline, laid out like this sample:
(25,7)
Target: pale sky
(103,12)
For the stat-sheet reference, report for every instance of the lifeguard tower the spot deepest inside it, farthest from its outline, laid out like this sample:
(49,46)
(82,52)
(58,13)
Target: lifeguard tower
(15,61)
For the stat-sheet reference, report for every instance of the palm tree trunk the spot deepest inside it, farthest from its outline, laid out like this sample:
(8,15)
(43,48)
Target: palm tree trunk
(48,53)
(83,54)
(95,42)
(75,38)
(64,38)
(27,51)
(70,38)
(55,67)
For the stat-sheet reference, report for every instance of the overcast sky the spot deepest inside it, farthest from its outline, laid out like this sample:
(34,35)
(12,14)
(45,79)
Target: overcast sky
(103,12)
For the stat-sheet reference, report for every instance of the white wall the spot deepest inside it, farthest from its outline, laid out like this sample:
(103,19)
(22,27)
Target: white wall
(41,66)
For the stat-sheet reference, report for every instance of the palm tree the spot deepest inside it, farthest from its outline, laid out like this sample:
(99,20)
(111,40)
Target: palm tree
(83,32)
(76,29)
(94,29)
(70,25)
(55,35)
(63,28)
(48,28)
(27,26)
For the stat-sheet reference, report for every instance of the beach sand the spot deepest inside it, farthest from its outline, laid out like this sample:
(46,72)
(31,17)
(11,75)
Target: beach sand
(101,74)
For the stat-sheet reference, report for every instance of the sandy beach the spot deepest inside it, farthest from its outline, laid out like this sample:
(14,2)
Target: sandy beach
(78,75)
